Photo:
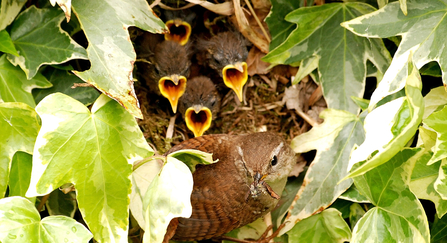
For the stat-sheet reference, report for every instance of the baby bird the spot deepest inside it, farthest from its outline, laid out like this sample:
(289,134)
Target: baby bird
(226,53)
(179,24)
(200,104)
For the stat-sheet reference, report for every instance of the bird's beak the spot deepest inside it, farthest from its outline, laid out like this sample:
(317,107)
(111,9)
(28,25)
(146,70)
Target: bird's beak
(179,31)
(198,119)
(235,76)
(258,177)
(172,88)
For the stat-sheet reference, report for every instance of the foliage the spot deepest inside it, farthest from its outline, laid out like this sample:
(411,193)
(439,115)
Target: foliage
(376,160)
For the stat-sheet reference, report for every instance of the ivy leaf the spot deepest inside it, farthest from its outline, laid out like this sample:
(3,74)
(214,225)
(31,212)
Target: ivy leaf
(93,150)
(65,6)
(63,82)
(437,122)
(398,215)
(6,44)
(422,182)
(9,11)
(387,134)
(166,199)
(280,28)
(19,125)
(37,31)
(21,223)
(192,157)
(14,87)
(110,51)
(253,230)
(342,61)
(327,226)
(20,174)
(421,30)
(333,140)
(435,99)
(59,203)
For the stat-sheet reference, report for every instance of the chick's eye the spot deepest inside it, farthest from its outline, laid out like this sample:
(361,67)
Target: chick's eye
(274,160)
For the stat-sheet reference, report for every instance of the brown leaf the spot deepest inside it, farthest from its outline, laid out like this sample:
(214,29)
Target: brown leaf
(254,62)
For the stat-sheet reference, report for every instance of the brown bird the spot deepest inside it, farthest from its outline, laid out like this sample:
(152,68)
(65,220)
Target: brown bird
(242,186)
(199,104)
(169,69)
(226,53)
(179,24)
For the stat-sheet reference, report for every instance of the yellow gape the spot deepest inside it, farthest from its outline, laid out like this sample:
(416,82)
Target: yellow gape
(235,76)
(172,88)
(198,119)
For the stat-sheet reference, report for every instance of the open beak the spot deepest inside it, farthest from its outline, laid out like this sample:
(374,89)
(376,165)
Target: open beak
(235,76)
(198,119)
(179,31)
(172,88)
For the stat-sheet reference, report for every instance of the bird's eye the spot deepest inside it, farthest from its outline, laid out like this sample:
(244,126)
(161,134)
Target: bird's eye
(274,160)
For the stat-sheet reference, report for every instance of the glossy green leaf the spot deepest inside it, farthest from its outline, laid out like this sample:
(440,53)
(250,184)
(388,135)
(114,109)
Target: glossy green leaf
(280,28)
(14,87)
(437,122)
(306,67)
(422,32)
(423,179)
(343,206)
(141,179)
(63,82)
(21,223)
(327,226)
(390,126)
(6,44)
(20,174)
(167,197)
(20,125)
(398,215)
(431,69)
(39,39)
(342,60)
(440,183)
(9,11)
(353,195)
(192,157)
(59,203)
(93,150)
(110,51)
(333,140)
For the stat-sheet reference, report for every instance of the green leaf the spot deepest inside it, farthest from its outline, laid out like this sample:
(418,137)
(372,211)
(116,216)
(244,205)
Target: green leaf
(19,125)
(63,82)
(439,230)
(141,179)
(306,67)
(93,150)
(333,140)
(343,60)
(20,174)
(423,179)
(192,157)
(437,122)
(280,28)
(398,215)
(431,69)
(440,183)
(14,87)
(434,100)
(327,226)
(6,44)
(39,39)
(390,126)
(421,30)
(59,203)
(9,11)
(166,199)
(110,51)
(353,195)
(252,230)
(355,214)
(21,223)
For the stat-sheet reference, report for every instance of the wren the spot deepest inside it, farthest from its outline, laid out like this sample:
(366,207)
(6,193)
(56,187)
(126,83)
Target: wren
(242,186)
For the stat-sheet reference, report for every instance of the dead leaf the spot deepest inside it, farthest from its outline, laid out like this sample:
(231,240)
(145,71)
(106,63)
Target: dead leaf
(254,62)
(221,8)
(291,97)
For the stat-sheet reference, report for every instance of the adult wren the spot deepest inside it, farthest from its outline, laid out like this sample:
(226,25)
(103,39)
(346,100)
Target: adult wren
(242,186)
(226,53)
(199,104)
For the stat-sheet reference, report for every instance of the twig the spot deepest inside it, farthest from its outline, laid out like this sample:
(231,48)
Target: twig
(170,130)
(307,118)
(42,202)
(257,20)
(155,3)
(75,85)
